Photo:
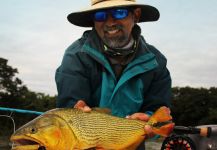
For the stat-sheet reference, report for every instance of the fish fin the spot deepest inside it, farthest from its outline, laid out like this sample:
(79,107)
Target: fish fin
(161,115)
(164,130)
(102,110)
(161,122)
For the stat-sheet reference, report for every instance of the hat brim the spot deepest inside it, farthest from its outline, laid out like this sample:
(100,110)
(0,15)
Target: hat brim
(84,18)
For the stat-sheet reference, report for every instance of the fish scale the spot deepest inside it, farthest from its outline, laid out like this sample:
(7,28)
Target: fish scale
(108,128)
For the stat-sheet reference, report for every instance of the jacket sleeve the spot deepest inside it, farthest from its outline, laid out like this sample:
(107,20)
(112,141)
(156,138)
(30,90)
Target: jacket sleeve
(71,79)
(160,92)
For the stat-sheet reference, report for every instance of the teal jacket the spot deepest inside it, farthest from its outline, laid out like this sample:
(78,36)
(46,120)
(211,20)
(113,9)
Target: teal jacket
(85,73)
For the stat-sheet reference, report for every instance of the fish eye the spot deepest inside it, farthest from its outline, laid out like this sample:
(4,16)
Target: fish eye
(33,130)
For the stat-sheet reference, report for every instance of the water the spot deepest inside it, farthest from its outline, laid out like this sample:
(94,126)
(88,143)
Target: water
(153,145)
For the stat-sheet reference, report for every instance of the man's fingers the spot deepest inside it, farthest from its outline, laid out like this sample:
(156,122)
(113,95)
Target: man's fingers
(139,116)
(148,131)
(86,109)
(144,117)
(82,106)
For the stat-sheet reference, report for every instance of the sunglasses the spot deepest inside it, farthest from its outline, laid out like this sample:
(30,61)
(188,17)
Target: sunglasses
(118,13)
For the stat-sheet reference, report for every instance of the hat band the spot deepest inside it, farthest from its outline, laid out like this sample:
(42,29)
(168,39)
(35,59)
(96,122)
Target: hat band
(93,2)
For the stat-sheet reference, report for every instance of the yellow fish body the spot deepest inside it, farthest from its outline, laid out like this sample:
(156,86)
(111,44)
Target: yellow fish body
(72,129)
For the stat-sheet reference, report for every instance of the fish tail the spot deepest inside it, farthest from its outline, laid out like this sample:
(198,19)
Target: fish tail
(161,122)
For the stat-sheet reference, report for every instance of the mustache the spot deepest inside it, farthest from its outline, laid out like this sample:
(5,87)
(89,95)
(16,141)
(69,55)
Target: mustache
(114,27)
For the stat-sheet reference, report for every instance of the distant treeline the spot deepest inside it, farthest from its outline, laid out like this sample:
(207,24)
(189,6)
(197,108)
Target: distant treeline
(194,106)
(14,94)
(190,106)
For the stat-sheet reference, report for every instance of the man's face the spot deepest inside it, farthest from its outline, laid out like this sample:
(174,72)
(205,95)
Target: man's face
(116,33)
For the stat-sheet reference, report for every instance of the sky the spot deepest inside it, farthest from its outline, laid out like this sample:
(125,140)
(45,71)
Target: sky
(34,35)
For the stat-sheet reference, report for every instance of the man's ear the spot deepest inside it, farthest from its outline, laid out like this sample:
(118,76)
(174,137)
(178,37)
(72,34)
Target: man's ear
(137,13)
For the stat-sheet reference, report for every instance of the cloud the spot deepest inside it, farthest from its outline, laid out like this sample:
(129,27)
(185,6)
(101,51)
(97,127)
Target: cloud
(35,34)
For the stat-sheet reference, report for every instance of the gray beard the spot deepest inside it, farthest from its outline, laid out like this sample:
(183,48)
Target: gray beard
(116,42)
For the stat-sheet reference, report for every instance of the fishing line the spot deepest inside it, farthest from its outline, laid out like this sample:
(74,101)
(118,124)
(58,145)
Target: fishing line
(14,125)
(12,119)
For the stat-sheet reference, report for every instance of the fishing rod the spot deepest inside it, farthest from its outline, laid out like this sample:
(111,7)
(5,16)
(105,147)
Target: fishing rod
(17,111)
(20,111)
(202,131)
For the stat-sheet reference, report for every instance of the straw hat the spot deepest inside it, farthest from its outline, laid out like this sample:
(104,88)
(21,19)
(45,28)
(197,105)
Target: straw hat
(83,18)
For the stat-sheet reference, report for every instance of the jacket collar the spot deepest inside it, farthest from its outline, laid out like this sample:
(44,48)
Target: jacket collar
(92,45)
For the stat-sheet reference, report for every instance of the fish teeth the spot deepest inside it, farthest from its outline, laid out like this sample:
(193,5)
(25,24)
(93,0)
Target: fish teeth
(15,144)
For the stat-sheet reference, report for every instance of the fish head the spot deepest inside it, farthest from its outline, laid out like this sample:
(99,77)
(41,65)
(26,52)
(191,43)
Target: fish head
(47,131)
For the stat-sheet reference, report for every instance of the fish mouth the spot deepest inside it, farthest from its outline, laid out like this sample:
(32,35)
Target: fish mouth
(27,143)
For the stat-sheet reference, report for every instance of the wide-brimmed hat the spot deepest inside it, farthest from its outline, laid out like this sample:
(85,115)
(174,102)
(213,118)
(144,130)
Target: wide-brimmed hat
(83,18)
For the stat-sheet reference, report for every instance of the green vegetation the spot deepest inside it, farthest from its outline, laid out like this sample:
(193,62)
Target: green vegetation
(190,106)
(194,106)
(13,94)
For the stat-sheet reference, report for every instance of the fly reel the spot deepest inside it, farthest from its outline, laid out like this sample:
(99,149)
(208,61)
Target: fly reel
(178,142)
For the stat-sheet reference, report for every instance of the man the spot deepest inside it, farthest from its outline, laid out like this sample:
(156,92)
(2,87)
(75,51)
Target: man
(111,65)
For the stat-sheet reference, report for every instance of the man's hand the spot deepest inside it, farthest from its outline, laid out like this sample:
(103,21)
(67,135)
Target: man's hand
(143,117)
(82,106)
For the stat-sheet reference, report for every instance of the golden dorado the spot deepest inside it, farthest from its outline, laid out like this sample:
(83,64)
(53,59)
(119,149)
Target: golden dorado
(73,129)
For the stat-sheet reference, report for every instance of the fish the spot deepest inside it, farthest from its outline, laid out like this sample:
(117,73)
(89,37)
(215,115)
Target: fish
(73,129)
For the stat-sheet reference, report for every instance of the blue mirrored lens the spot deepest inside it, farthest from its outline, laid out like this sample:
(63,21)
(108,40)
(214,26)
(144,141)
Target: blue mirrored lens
(119,13)
(100,16)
